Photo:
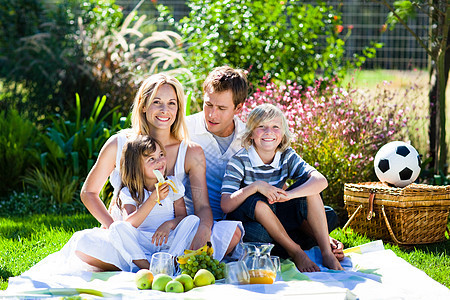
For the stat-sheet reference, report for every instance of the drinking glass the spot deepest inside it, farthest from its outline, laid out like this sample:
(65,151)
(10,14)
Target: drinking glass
(277,264)
(236,273)
(162,263)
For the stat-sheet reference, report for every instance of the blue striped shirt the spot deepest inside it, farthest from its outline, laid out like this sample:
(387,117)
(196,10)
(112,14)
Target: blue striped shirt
(246,167)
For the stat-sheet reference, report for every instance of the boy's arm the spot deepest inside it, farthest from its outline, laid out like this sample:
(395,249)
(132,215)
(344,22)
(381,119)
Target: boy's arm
(315,184)
(230,202)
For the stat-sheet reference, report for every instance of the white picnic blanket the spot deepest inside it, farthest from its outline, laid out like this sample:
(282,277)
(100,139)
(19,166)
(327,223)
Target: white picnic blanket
(371,272)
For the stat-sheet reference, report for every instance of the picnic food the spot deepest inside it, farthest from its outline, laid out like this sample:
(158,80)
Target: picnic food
(194,260)
(161,181)
(186,281)
(160,281)
(143,279)
(174,286)
(261,276)
(204,277)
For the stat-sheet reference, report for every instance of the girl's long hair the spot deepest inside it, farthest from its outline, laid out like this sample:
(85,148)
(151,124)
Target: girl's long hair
(131,166)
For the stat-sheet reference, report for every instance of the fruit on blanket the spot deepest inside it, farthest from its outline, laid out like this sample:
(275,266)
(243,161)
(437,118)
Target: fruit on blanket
(160,281)
(204,277)
(186,281)
(143,279)
(202,258)
(174,286)
(161,181)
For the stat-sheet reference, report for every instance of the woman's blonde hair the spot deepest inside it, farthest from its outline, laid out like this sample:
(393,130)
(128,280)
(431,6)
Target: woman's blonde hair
(264,113)
(131,167)
(146,94)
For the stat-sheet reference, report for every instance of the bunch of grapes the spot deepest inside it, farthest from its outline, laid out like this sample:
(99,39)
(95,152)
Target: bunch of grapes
(203,261)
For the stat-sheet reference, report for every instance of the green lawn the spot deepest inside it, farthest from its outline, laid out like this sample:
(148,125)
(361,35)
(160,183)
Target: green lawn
(25,241)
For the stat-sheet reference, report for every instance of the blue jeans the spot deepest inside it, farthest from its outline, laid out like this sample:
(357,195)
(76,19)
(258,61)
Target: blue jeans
(291,215)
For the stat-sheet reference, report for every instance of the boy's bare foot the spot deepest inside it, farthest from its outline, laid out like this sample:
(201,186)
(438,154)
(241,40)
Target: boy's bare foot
(303,263)
(330,261)
(337,248)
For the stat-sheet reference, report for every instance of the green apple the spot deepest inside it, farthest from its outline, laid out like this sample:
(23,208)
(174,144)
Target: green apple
(174,286)
(186,281)
(204,277)
(143,279)
(160,281)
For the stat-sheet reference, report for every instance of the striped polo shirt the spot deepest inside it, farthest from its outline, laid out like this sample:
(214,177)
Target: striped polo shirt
(246,167)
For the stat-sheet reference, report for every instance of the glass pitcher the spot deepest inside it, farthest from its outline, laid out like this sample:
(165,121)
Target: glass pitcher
(257,259)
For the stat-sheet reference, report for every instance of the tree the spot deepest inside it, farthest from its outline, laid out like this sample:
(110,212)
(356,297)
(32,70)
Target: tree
(438,49)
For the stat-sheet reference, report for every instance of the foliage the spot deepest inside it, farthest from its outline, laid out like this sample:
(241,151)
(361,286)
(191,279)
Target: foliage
(332,131)
(32,202)
(288,40)
(89,48)
(17,148)
(71,148)
(120,56)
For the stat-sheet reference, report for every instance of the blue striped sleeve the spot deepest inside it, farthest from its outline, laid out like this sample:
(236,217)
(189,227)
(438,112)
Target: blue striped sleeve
(298,168)
(234,175)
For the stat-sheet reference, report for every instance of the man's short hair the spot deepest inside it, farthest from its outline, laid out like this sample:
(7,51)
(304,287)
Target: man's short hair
(225,78)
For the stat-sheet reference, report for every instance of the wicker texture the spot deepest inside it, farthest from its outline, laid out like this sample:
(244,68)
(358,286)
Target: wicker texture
(415,214)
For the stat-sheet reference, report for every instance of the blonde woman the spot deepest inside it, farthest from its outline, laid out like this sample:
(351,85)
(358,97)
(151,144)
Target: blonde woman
(158,111)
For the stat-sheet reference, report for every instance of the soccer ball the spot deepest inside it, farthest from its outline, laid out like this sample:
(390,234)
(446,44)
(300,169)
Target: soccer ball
(397,163)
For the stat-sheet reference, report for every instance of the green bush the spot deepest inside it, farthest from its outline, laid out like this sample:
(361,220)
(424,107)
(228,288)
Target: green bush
(70,148)
(285,39)
(89,48)
(17,148)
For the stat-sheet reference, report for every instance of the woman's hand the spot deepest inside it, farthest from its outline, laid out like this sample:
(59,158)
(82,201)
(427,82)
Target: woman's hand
(161,234)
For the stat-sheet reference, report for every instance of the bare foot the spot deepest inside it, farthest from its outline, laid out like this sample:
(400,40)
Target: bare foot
(330,261)
(337,248)
(303,263)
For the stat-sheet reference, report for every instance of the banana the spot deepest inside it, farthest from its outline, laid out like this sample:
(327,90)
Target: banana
(161,181)
(190,253)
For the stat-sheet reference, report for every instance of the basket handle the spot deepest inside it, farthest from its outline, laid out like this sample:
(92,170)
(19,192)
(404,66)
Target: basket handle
(391,232)
(352,217)
(371,213)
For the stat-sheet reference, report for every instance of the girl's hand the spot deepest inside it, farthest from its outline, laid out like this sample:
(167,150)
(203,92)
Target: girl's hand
(163,192)
(161,234)
(272,193)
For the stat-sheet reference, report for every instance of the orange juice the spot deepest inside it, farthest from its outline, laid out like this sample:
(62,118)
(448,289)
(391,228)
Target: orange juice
(261,276)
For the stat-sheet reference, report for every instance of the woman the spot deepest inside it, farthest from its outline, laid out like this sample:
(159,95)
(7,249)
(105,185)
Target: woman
(158,111)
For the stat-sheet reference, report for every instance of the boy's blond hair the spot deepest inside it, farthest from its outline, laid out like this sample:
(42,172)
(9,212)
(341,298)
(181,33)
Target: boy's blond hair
(263,113)
(146,94)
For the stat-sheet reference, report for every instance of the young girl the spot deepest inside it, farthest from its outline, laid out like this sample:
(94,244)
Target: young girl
(147,226)
(252,189)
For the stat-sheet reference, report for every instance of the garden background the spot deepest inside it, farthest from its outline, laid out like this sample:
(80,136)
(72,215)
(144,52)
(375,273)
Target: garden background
(69,71)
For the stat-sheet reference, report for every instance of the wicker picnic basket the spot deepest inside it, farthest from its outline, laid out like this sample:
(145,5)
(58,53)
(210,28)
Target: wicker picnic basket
(415,214)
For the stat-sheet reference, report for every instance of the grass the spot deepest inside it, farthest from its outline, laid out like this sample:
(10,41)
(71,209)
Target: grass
(25,241)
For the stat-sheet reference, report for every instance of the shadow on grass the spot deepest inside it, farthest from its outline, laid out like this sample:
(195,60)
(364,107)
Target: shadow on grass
(17,228)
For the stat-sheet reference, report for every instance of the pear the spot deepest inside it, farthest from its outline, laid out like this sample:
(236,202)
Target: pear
(143,279)
(160,281)
(174,286)
(186,281)
(204,277)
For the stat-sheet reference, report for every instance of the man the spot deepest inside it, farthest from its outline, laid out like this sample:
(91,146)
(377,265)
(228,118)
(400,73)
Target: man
(217,129)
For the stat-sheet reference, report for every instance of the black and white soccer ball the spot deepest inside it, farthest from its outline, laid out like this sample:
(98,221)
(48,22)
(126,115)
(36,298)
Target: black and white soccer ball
(397,163)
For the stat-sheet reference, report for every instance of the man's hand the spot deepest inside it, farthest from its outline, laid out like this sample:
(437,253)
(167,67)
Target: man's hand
(337,248)
(202,236)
